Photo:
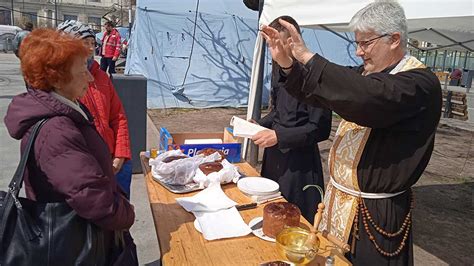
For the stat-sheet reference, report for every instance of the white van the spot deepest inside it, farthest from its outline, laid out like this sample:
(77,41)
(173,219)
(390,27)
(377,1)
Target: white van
(7,33)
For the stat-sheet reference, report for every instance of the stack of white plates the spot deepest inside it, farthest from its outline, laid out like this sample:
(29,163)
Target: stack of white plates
(258,186)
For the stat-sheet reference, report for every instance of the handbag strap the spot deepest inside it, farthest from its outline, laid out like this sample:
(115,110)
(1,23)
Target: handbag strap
(17,179)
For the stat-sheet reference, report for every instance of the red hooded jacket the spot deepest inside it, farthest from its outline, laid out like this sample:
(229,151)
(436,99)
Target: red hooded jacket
(109,116)
(111,44)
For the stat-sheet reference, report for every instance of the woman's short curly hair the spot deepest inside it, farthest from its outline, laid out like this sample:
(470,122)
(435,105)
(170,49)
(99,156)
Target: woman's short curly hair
(47,57)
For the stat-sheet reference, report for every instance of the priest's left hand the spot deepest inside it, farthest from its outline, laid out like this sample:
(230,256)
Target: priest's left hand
(265,138)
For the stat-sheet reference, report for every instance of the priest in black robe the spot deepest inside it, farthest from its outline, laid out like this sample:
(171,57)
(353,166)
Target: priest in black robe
(291,156)
(390,108)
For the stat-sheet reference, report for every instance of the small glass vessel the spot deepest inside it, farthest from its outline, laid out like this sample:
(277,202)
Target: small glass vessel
(291,244)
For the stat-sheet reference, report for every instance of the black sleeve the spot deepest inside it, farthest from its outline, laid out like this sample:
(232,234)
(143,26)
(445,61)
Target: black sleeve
(267,120)
(377,100)
(317,129)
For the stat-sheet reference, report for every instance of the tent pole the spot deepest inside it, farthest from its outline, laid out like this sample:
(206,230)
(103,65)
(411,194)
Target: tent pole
(12,16)
(434,60)
(465,60)
(256,112)
(450,45)
(444,59)
(452,40)
(130,20)
(336,33)
(454,60)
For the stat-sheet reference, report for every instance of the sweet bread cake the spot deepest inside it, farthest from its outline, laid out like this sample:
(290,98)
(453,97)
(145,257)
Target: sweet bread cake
(277,215)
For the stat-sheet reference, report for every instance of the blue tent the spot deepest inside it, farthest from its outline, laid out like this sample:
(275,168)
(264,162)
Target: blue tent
(204,60)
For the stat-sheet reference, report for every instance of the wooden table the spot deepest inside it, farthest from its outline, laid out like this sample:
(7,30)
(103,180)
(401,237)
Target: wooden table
(181,244)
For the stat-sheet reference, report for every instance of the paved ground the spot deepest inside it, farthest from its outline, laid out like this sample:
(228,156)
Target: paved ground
(11,84)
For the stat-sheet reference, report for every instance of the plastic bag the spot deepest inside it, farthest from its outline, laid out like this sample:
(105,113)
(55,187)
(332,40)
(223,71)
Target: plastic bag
(185,171)
(177,172)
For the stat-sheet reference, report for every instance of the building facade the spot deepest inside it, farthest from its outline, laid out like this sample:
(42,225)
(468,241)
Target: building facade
(49,13)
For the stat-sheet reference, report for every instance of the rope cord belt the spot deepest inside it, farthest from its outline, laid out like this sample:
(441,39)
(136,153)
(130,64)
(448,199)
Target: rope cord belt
(364,195)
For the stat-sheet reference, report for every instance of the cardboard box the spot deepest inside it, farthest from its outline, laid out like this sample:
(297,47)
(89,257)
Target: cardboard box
(230,146)
(229,136)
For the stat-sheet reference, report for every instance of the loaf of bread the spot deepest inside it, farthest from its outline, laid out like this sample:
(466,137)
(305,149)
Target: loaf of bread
(210,167)
(174,158)
(277,215)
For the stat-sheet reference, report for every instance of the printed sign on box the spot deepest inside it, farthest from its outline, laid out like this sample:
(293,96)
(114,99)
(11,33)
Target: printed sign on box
(173,141)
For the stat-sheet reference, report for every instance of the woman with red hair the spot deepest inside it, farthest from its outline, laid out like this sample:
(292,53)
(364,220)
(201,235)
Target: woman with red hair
(71,162)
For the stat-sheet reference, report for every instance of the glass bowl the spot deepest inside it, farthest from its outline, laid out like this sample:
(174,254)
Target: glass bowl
(291,245)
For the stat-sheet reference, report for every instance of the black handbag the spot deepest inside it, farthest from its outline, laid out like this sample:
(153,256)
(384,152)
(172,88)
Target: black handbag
(34,233)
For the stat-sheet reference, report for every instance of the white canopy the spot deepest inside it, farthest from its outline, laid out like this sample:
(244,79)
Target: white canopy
(446,23)
(428,20)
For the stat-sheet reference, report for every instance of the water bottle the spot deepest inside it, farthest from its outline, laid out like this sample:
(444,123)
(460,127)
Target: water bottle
(153,153)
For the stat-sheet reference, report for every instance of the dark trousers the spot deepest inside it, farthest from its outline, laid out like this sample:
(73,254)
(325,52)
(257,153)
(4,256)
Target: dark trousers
(454,82)
(105,63)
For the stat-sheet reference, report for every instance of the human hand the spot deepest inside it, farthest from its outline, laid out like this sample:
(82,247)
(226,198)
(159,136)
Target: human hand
(114,58)
(252,121)
(117,164)
(278,46)
(265,138)
(296,43)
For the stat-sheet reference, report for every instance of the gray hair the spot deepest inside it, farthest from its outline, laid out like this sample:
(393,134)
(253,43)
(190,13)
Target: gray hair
(382,17)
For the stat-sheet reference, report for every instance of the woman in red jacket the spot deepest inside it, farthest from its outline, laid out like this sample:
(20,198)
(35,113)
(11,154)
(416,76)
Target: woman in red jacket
(103,102)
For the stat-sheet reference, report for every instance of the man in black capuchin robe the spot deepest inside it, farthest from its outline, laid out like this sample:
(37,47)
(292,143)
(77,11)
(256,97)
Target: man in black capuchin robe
(390,108)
